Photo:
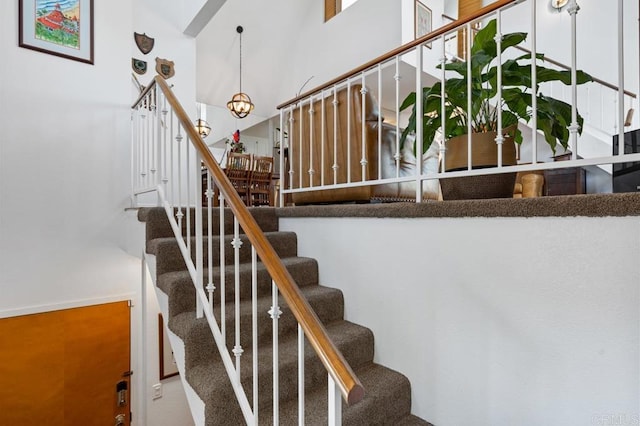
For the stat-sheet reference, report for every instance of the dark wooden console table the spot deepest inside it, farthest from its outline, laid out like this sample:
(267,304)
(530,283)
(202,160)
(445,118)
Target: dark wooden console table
(565,181)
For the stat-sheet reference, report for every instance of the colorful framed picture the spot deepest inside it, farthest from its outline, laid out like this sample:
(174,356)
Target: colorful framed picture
(58,27)
(424,24)
(168,366)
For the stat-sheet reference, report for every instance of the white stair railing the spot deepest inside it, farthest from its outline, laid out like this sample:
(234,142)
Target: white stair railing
(391,77)
(168,158)
(598,100)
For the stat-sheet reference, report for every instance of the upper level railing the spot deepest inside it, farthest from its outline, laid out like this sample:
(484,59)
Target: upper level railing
(595,96)
(168,156)
(353,137)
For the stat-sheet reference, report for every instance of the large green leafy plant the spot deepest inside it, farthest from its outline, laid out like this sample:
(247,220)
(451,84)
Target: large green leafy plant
(553,117)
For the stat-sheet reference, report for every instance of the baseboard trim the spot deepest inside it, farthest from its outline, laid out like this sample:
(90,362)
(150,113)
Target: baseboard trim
(38,309)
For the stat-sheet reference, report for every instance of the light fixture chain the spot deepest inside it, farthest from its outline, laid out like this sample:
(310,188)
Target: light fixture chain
(240,61)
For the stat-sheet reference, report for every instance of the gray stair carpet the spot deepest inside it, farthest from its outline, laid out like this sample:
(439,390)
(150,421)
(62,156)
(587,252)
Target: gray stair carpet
(387,398)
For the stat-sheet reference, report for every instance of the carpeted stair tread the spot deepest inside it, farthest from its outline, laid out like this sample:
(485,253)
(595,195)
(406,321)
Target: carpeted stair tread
(178,285)
(327,303)
(412,420)
(157,224)
(209,379)
(304,270)
(387,401)
(169,256)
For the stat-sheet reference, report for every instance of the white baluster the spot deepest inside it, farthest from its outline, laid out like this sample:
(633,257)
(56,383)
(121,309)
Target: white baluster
(335,403)
(363,127)
(172,197)
(574,127)
(188,191)
(300,376)
(498,39)
(534,84)
(291,147)
(254,324)
(419,129)
(155,130)
(210,285)
(443,62)
(469,101)
(397,78)
(300,171)
(282,171)
(136,153)
(223,274)
(165,126)
(236,243)
(143,146)
(616,129)
(335,166)
(179,214)
(379,121)
(275,313)
(620,77)
(348,131)
(323,137)
(311,141)
(198,236)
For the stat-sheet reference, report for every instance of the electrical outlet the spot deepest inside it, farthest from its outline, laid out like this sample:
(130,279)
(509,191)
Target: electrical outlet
(157,391)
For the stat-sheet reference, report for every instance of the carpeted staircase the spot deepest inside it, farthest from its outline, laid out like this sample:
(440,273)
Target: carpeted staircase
(387,393)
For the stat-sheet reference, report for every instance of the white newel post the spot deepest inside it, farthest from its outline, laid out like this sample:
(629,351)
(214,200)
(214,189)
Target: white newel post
(574,127)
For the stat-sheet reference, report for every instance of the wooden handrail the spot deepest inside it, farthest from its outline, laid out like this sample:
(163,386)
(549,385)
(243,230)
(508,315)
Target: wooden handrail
(400,50)
(565,67)
(344,377)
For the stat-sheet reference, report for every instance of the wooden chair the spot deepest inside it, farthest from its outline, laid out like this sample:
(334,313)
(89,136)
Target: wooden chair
(239,173)
(261,174)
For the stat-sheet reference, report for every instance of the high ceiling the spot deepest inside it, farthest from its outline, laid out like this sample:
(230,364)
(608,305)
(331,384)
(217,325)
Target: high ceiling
(268,34)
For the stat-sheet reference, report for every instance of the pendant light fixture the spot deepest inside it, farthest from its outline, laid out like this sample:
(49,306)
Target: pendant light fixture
(559,4)
(202,127)
(240,104)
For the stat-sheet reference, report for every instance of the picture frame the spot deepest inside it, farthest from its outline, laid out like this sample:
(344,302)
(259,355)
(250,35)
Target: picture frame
(63,28)
(423,20)
(168,366)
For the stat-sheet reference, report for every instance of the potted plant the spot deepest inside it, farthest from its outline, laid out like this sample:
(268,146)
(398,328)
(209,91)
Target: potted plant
(553,117)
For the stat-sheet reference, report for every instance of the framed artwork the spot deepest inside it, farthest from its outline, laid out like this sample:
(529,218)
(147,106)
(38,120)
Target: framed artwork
(58,27)
(423,20)
(168,366)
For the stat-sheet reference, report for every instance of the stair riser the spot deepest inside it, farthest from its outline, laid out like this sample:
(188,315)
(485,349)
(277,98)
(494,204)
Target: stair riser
(157,224)
(329,307)
(181,291)
(170,257)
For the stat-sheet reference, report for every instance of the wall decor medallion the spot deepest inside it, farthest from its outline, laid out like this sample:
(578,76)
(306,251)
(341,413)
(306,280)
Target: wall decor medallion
(139,66)
(144,42)
(164,67)
(62,28)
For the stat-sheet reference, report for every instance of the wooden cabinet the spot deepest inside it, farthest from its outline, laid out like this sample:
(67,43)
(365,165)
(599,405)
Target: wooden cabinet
(567,181)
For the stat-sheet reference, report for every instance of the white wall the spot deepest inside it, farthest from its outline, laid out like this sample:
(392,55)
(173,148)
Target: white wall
(597,50)
(496,321)
(65,168)
(64,171)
